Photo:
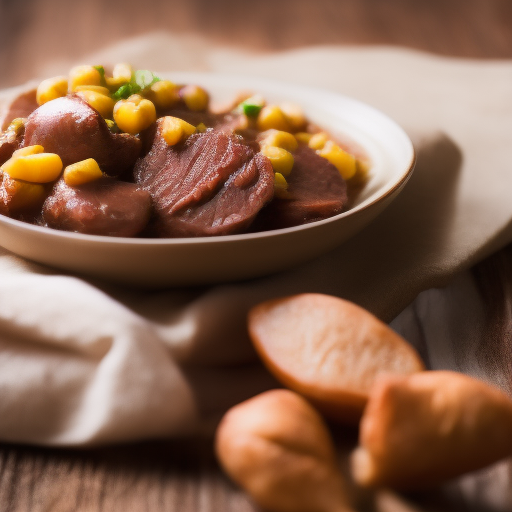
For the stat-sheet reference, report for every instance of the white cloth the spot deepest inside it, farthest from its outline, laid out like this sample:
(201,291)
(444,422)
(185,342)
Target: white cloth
(85,363)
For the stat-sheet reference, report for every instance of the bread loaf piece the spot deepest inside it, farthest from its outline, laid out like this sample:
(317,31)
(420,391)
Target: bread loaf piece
(329,350)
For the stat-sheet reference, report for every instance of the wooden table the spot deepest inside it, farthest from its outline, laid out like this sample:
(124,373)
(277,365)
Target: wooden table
(182,475)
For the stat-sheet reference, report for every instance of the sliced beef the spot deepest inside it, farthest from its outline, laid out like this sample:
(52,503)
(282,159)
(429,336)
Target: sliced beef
(213,184)
(75,131)
(102,207)
(21,106)
(316,191)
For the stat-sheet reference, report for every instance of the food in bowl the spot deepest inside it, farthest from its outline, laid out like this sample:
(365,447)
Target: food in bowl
(127,154)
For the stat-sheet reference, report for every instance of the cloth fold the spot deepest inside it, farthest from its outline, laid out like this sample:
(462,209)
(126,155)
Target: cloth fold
(83,362)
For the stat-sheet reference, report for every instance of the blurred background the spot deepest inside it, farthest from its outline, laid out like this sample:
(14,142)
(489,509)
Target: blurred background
(32,32)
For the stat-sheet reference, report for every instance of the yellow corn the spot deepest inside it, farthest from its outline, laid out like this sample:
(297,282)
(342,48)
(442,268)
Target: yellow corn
(82,172)
(195,97)
(175,130)
(164,94)
(343,161)
(96,88)
(83,75)
(303,137)
(17,125)
(122,71)
(51,89)
(294,115)
(114,83)
(111,125)
(281,160)
(362,171)
(121,74)
(270,117)
(28,150)
(280,139)
(35,168)
(134,114)
(280,185)
(201,128)
(23,195)
(102,103)
(318,140)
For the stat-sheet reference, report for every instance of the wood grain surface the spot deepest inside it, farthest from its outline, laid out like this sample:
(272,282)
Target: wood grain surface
(182,475)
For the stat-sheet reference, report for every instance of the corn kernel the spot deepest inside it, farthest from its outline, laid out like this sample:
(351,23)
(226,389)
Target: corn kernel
(164,94)
(134,114)
(82,172)
(343,161)
(51,89)
(175,130)
(83,75)
(17,125)
(23,195)
(280,186)
(318,140)
(270,117)
(114,83)
(35,168)
(201,128)
(102,103)
(294,115)
(281,160)
(28,150)
(280,139)
(362,171)
(303,137)
(111,126)
(96,88)
(122,71)
(195,97)
(121,75)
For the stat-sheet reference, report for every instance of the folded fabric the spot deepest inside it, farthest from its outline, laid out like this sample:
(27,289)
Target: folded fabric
(85,363)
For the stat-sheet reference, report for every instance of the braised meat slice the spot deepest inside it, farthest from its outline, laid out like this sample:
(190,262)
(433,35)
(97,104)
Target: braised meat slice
(212,184)
(21,106)
(316,191)
(75,131)
(102,207)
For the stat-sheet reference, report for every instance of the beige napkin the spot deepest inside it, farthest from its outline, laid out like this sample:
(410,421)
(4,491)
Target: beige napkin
(86,363)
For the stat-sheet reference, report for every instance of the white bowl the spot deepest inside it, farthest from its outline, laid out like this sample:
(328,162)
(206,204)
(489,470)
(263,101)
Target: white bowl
(159,263)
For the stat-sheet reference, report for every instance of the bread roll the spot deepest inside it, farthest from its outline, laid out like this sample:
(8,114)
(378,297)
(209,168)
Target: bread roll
(277,448)
(329,350)
(422,429)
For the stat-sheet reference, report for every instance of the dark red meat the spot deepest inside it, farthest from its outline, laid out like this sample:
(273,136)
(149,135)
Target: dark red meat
(316,191)
(213,184)
(102,207)
(75,131)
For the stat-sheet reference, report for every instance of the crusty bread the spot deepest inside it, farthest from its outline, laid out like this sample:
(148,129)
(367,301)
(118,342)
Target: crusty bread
(329,350)
(422,429)
(278,448)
